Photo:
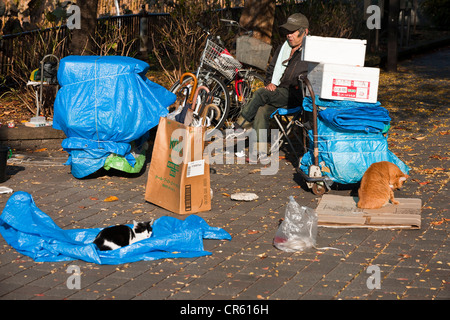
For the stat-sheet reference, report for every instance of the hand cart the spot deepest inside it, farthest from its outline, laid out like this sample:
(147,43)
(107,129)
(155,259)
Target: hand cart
(314,180)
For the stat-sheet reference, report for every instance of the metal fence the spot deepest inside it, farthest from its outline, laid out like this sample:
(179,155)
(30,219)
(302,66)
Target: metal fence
(22,52)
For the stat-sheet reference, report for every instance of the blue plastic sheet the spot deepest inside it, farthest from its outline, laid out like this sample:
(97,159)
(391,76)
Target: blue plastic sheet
(352,116)
(341,104)
(347,150)
(104,104)
(33,233)
(364,119)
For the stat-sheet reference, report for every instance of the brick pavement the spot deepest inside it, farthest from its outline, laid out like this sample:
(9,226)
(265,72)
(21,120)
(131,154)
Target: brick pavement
(414,264)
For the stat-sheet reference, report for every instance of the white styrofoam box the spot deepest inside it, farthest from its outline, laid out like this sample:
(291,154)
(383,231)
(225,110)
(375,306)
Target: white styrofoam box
(344,82)
(334,50)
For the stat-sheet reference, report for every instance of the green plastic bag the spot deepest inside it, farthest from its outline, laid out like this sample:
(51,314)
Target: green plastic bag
(120,163)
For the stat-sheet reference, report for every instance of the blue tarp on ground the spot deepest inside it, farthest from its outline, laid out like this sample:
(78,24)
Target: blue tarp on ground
(349,145)
(33,233)
(105,103)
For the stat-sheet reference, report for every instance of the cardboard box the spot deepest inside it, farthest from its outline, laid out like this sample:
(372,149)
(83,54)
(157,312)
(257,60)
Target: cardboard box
(334,50)
(180,186)
(343,82)
(341,211)
(252,51)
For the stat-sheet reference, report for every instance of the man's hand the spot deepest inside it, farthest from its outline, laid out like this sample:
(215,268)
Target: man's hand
(271,87)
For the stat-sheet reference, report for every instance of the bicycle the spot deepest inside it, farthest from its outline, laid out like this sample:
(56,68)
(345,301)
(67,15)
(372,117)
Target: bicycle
(231,83)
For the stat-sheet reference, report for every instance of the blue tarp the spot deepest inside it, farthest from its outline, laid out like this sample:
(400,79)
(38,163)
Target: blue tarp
(104,104)
(364,119)
(351,115)
(33,233)
(348,148)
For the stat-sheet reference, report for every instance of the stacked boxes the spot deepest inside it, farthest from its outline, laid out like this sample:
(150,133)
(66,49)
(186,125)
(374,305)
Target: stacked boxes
(336,72)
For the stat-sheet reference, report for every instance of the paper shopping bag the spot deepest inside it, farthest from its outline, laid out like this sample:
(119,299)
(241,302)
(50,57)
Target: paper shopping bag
(178,178)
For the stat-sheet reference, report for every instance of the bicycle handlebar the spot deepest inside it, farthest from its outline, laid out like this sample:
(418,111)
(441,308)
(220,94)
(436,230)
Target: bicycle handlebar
(210,35)
(205,29)
(231,22)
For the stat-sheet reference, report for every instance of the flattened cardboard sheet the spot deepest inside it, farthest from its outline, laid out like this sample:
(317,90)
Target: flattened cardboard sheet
(341,211)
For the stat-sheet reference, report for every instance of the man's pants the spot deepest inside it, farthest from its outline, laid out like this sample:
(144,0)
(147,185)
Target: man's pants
(261,106)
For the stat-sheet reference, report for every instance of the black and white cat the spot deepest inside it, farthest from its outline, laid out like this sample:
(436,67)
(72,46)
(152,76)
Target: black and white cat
(120,236)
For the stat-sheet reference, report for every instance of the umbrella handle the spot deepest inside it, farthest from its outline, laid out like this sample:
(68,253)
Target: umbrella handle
(194,100)
(194,88)
(205,109)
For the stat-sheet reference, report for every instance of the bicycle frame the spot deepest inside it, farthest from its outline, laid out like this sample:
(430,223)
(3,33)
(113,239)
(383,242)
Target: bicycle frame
(219,69)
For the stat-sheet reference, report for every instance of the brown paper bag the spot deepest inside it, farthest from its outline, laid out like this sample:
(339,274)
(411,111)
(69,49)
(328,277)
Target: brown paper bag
(178,178)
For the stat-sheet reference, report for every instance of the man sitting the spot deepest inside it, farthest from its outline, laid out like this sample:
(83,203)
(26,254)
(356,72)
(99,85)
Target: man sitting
(281,84)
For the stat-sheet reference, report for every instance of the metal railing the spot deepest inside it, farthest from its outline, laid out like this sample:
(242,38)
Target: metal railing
(114,35)
(25,49)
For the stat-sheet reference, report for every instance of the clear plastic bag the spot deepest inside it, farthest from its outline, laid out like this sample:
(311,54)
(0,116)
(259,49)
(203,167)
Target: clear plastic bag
(298,231)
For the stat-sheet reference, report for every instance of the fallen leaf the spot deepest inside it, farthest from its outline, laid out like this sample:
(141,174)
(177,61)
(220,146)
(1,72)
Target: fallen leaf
(424,183)
(111,198)
(226,194)
(252,231)
(93,198)
(437,223)
(436,156)
(40,150)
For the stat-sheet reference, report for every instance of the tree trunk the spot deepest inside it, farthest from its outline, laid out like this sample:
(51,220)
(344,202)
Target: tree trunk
(258,15)
(392,52)
(36,9)
(81,42)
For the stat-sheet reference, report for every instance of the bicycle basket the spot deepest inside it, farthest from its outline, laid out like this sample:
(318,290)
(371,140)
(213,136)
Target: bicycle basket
(220,59)
(253,51)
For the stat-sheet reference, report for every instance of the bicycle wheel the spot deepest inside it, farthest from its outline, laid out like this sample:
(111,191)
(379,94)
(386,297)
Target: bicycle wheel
(217,90)
(252,81)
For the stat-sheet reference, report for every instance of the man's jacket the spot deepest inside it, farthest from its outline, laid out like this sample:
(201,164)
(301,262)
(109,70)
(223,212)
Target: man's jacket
(296,66)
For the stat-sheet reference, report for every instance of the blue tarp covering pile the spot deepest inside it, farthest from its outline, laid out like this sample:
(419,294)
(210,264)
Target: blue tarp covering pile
(103,105)
(351,136)
(33,233)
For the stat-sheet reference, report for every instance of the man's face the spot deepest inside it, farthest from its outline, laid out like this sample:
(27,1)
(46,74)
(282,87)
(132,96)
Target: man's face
(295,38)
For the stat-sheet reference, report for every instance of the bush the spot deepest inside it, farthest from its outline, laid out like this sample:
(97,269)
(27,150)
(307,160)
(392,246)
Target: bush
(179,42)
(438,11)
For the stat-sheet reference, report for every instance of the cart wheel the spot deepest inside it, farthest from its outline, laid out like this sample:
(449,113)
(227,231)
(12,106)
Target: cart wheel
(318,189)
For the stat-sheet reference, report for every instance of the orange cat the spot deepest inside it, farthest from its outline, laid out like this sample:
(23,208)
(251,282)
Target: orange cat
(378,183)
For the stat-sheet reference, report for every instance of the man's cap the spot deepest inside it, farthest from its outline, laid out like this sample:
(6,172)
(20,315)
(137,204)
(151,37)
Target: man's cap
(296,22)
